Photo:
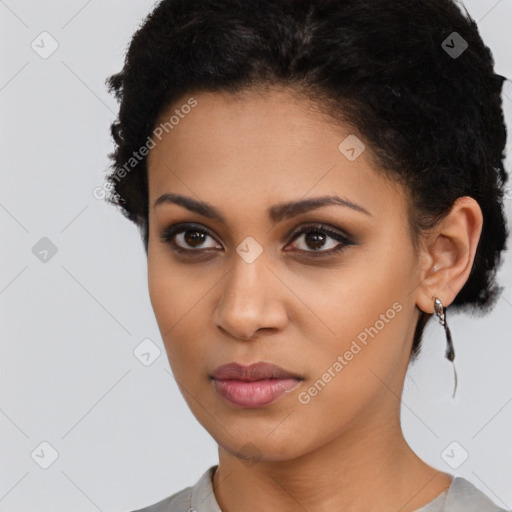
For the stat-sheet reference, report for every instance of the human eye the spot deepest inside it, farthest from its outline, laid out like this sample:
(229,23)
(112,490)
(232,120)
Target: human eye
(189,235)
(189,239)
(315,236)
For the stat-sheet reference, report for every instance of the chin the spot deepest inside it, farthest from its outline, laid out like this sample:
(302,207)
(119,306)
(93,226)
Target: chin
(253,448)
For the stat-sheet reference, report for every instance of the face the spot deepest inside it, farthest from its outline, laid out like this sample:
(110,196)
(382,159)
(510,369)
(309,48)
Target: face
(334,306)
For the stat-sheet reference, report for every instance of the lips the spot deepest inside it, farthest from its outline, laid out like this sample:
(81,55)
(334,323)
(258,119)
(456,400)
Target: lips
(253,386)
(253,372)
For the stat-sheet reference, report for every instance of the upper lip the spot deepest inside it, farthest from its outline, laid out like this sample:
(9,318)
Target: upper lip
(253,372)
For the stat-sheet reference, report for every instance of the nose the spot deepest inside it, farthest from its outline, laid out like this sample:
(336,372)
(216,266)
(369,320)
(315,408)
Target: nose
(250,300)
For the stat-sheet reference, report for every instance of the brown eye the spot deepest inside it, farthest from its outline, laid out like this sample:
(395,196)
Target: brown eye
(189,238)
(316,237)
(194,238)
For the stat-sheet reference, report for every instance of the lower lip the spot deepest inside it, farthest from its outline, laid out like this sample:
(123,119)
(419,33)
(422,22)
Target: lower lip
(254,394)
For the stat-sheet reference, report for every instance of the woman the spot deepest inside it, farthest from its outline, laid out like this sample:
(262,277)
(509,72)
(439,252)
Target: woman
(313,180)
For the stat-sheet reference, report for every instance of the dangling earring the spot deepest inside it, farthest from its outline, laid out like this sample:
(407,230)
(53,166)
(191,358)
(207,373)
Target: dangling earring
(440,311)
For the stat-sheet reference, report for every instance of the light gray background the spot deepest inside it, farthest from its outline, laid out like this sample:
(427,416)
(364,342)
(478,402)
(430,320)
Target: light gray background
(68,375)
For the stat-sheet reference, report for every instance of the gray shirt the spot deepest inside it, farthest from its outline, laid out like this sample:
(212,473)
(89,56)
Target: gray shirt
(461,496)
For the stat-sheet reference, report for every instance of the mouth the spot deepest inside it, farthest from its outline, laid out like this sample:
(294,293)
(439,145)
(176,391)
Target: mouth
(255,385)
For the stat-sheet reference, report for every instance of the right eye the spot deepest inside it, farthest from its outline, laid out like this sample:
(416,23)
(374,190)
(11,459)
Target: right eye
(186,234)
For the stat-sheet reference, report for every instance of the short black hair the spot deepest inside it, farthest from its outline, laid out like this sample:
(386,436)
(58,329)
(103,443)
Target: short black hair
(413,77)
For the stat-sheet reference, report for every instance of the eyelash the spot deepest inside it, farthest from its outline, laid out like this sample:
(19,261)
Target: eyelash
(176,229)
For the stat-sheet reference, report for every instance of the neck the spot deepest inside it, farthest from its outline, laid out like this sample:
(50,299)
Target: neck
(367,467)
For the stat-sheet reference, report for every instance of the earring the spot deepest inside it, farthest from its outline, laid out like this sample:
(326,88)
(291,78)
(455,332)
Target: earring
(440,312)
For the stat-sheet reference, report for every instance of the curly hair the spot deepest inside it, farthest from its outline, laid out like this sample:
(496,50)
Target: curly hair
(433,118)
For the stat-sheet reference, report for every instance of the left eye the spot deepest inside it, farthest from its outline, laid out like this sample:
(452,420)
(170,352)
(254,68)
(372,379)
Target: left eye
(194,236)
(316,236)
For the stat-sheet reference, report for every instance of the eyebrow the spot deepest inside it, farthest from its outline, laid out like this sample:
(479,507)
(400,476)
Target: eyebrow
(276,213)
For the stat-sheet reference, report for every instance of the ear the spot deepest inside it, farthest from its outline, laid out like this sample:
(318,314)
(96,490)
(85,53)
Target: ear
(447,254)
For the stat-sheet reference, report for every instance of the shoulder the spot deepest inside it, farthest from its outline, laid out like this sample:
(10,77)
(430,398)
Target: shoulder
(187,499)
(463,496)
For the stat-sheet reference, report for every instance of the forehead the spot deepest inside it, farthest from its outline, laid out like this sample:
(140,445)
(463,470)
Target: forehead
(260,145)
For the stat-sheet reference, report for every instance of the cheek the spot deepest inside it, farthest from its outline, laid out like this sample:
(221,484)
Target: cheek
(177,295)
(363,363)
(170,288)
(372,334)
(365,314)
(165,288)
(158,289)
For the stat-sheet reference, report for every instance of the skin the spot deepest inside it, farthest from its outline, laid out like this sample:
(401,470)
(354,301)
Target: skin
(344,450)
